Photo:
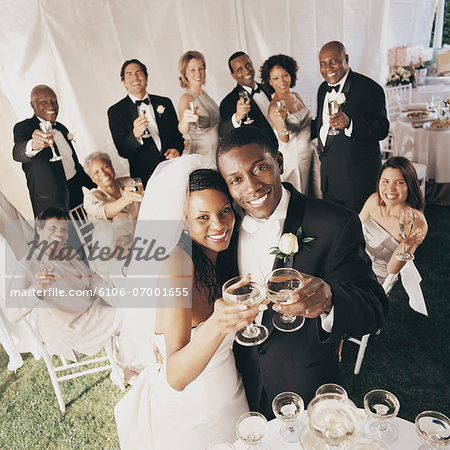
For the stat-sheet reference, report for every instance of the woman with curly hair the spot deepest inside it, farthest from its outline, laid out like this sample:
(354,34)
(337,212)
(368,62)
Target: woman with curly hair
(290,120)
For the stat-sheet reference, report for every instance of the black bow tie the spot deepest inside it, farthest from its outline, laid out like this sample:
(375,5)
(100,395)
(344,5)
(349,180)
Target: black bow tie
(138,102)
(255,91)
(335,87)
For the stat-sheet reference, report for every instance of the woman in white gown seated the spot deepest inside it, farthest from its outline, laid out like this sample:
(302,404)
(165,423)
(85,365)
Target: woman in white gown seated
(398,188)
(193,395)
(203,126)
(292,125)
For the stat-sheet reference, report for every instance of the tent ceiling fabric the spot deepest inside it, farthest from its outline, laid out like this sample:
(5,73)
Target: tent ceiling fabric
(78,46)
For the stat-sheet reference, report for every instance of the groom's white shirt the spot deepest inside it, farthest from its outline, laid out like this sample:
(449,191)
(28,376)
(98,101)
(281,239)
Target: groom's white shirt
(256,238)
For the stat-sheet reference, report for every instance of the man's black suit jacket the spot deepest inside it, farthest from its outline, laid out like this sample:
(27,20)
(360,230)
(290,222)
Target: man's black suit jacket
(228,108)
(305,359)
(46,180)
(143,158)
(350,165)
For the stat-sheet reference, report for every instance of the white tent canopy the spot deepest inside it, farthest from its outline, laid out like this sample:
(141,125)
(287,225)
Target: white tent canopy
(78,46)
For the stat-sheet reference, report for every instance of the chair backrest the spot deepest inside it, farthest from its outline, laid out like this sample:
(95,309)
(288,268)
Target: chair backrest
(83,226)
(397,98)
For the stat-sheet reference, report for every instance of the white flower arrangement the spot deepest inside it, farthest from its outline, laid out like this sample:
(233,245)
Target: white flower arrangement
(160,110)
(399,75)
(289,245)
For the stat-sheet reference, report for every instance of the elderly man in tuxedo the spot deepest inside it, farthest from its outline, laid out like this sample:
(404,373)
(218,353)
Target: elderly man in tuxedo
(350,160)
(145,140)
(235,111)
(49,183)
(340,296)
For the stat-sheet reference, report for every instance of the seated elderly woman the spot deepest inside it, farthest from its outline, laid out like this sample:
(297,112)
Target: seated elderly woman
(112,206)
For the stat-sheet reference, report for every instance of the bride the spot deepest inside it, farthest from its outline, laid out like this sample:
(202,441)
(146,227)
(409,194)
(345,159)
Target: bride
(192,395)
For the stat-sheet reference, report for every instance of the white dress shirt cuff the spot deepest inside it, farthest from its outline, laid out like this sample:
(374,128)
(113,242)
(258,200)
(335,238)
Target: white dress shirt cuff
(327,320)
(235,123)
(349,129)
(29,152)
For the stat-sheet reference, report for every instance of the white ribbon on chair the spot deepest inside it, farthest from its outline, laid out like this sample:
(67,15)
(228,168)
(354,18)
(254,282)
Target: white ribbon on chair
(411,282)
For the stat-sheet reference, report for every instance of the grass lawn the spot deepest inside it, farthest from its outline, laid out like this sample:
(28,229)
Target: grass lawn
(410,358)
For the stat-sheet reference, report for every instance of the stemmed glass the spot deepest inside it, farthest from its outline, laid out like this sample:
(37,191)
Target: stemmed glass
(244,95)
(136,184)
(46,272)
(383,406)
(242,290)
(195,129)
(287,406)
(333,108)
(251,428)
(333,419)
(281,107)
(280,284)
(434,428)
(47,128)
(142,111)
(406,223)
(331,388)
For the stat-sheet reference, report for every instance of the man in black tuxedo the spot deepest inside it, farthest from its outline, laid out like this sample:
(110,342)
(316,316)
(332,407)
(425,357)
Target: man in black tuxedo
(234,111)
(340,296)
(49,183)
(350,160)
(148,139)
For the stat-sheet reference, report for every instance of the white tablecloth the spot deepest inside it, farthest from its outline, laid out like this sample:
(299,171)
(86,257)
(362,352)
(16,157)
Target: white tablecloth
(407,437)
(429,147)
(424,94)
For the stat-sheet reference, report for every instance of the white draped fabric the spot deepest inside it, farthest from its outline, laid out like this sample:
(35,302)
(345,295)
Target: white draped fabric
(78,46)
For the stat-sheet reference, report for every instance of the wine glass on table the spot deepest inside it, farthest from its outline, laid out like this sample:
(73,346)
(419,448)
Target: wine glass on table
(244,95)
(287,406)
(382,405)
(434,428)
(241,290)
(47,128)
(406,223)
(251,428)
(333,108)
(331,388)
(280,285)
(142,111)
(195,129)
(281,108)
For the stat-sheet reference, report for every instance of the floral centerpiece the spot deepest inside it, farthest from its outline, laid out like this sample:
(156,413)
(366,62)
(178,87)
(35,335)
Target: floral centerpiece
(399,75)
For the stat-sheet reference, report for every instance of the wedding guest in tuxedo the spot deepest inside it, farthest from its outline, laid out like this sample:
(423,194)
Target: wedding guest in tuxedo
(398,188)
(49,183)
(147,139)
(350,160)
(340,296)
(236,111)
(202,125)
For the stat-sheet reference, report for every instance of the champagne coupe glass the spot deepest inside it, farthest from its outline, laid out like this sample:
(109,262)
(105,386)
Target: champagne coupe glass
(46,272)
(142,111)
(331,388)
(287,406)
(333,419)
(280,284)
(251,428)
(383,406)
(281,107)
(47,128)
(222,444)
(241,290)
(406,223)
(195,129)
(244,95)
(433,428)
(136,184)
(333,108)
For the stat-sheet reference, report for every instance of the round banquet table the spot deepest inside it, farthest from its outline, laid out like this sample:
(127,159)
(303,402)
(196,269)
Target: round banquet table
(407,437)
(425,146)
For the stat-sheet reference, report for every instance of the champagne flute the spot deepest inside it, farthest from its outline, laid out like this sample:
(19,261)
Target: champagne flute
(138,187)
(47,128)
(280,284)
(333,108)
(241,290)
(433,428)
(331,388)
(281,108)
(406,223)
(251,428)
(195,129)
(287,406)
(142,112)
(382,405)
(244,95)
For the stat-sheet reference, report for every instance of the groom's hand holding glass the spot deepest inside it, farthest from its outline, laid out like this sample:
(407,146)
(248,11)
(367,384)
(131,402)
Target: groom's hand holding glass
(140,126)
(340,120)
(311,300)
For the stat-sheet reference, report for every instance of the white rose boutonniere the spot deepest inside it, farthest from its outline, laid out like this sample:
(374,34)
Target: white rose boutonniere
(341,99)
(160,110)
(70,137)
(289,244)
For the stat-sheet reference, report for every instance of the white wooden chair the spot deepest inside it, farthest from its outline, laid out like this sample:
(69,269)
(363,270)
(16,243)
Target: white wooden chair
(397,99)
(83,226)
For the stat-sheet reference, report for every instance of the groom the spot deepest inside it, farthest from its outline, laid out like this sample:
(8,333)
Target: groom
(341,296)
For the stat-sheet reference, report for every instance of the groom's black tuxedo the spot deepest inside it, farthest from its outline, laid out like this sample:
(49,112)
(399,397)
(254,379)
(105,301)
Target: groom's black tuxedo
(303,360)
(350,165)
(228,108)
(143,158)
